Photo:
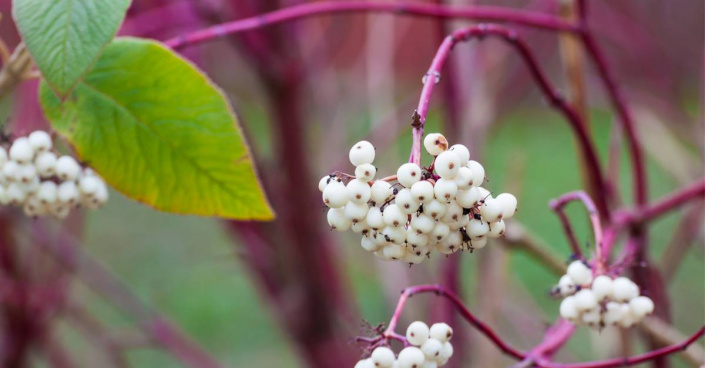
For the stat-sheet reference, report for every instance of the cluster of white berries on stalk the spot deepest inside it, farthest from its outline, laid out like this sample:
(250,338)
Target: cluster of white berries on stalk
(34,177)
(430,348)
(600,301)
(407,216)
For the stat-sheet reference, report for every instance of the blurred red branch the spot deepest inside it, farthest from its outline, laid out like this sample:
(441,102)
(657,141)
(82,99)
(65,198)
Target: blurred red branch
(488,13)
(648,212)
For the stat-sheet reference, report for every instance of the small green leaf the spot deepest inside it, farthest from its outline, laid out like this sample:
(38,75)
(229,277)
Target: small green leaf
(66,36)
(159,132)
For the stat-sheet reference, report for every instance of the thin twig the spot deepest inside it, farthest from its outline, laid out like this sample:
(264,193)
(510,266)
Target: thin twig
(663,205)
(666,334)
(510,36)
(558,204)
(486,13)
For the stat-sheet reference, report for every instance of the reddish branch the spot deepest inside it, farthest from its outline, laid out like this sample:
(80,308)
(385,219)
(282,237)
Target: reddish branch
(487,13)
(668,203)
(537,357)
(552,94)
(558,204)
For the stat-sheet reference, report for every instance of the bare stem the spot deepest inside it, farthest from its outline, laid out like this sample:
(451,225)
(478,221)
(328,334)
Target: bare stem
(487,13)
(668,203)
(462,309)
(550,92)
(558,204)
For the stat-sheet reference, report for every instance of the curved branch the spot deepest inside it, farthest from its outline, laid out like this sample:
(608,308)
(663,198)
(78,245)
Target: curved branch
(487,13)
(557,206)
(665,204)
(510,36)
(462,309)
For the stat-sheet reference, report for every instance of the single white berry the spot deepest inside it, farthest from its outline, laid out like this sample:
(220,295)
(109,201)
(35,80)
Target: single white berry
(508,203)
(446,248)
(602,287)
(591,317)
(337,219)
(406,201)
(383,357)
(496,229)
(394,251)
(89,185)
(358,191)
(585,300)
(356,211)
(101,197)
(477,228)
(465,178)
(324,182)
(33,208)
(613,313)
(335,194)
(15,194)
(374,218)
(468,198)
(415,239)
(365,172)
(411,357)
(27,173)
(47,193)
(381,192)
(566,285)
(422,224)
(435,209)
(395,235)
(360,227)
(453,213)
(40,141)
(362,152)
(31,186)
(440,232)
(446,352)
(580,273)
(441,332)
(624,290)
(447,165)
(417,333)
(568,309)
(641,306)
(422,191)
(45,163)
(393,216)
(478,243)
(478,171)
(67,168)
(413,257)
(366,363)
(408,174)
(462,152)
(445,190)
(435,144)
(21,151)
(461,222)
(431,348)
(68,193)
(491,210)
(369,244)
(627,319)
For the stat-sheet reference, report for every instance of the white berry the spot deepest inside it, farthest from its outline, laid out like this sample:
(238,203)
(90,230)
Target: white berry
(462,152)
(585,300)
(568,309)
(580,273)
(465,178)
(417,333)
(358,191)
(40,141)
(623,289)
(435,209)
(365,172)
(447,165)
(411,357)
(445,190)
(374,218)
(478,171)
(45,163)
(393,216)
(67,168)
(641,306)
(335,194)
(422,191)
(337,219)
(491,210)
(383,357)
(435,143)
(21,151)
(381,192)
(602,287)
(508,203)
(362,152)
(406,201)
(441,332)
(68,193)
(408,174)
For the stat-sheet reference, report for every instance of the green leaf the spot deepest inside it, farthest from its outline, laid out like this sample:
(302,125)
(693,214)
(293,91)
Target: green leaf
(159,132)
(65,37)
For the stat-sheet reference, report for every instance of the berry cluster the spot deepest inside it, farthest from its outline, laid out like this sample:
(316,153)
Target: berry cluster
(600,301)
(407,216)
(36,178)
(430,348)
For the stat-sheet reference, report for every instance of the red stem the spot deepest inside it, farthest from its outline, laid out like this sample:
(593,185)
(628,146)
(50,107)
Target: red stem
(462,309)
(551,93)
(489,13)
(623,362)
(558,204)
(668,203)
